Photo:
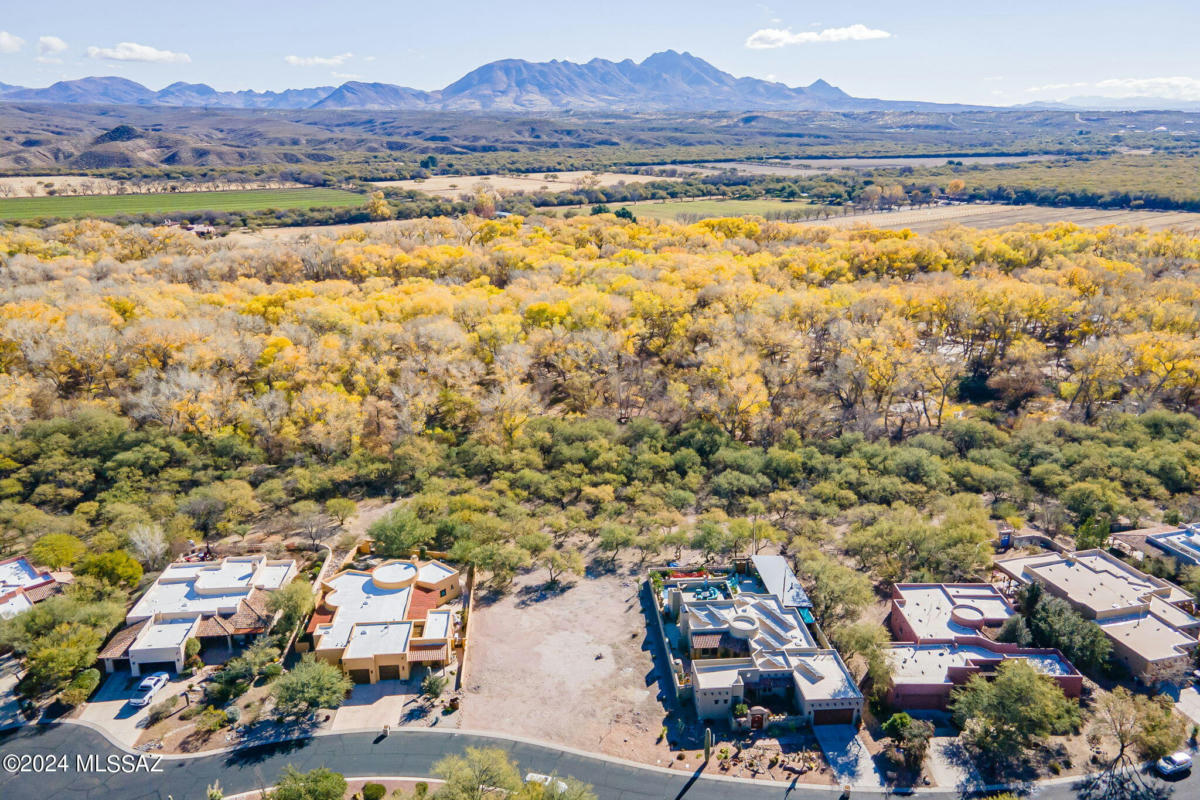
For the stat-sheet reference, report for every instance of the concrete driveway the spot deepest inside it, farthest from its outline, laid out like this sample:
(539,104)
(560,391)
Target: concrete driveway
(110,709)
(848,756)
(949,764)
(373,705)
(1187,702)
(10,704)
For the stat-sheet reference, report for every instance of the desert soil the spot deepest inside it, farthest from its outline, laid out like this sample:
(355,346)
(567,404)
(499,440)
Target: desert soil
(451,186)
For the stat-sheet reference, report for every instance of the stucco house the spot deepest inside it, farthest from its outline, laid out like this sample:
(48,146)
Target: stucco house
(1147,619)
(740,646)
(222,602)
(22,585)
(376,625)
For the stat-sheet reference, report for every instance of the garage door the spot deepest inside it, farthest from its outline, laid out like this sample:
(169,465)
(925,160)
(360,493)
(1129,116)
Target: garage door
(833,716)
(389,672)
(148,667)
(360,675)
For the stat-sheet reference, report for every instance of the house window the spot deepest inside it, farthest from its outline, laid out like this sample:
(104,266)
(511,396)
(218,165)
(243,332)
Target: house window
(443,593)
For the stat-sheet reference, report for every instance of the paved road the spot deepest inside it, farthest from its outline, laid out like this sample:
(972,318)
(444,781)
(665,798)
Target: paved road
(406,752)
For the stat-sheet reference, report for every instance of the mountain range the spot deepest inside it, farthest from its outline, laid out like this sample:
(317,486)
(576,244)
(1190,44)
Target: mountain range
(666,81)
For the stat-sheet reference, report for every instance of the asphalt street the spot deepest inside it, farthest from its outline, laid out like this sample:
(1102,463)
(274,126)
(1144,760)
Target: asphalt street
(404,752)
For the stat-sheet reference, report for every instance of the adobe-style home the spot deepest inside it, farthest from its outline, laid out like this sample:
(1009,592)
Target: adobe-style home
(376,625)
(1147,619)
(744,636)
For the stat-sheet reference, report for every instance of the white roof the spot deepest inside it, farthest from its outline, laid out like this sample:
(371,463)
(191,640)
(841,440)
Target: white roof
(434,571)
(210,588)
(929,663)
(1184,543)
(774,626)
(357,599)
(395,572)
(14,605)
(817,675)
(378,638)
(930,608)
(779,580)
(18,573)
(437,624)
(719,673)
(163,634)
(823,676)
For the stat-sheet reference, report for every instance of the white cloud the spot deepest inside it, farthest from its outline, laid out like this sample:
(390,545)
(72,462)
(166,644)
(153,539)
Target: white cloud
(131,51)
(770,38)
(1169,88)
(1054,87)
(1177,88)
(48,49)
(347,76)
(10,43)
(319,61)
(49,45)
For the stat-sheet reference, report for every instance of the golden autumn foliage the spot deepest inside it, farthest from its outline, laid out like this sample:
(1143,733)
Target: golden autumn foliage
(333,342)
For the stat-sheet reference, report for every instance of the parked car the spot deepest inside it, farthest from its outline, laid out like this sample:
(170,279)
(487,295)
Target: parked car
(547,781)
(1174,764)
(148,688)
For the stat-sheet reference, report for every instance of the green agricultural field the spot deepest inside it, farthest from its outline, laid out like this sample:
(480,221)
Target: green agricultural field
(25,208)
(671,210)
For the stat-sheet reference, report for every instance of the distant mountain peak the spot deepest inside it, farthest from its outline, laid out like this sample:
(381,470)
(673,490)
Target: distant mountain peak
(668,80)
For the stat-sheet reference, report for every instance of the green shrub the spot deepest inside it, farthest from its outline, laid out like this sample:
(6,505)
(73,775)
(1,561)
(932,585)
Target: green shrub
(160,711)
(81,687)
(373,791)
(211,719)
(434,684)
(191,711)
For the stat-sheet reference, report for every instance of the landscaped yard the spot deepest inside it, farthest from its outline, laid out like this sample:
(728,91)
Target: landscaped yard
(22,208)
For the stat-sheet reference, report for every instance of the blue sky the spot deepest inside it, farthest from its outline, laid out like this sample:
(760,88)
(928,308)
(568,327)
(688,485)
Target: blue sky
(981,52)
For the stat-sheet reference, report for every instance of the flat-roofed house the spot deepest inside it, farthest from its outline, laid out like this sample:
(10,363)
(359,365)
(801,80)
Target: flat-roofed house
(925,673)
(376,625)
(223,601)
(1183,544)
(945,610)
(1152,633)
(754,649)
(22,585)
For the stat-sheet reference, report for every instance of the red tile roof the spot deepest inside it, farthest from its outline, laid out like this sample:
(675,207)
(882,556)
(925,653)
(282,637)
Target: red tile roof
(436,652)
(37,594)
(422,602)
(118,645)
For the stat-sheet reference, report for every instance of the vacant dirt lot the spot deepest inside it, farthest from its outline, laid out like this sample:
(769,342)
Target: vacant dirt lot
(451,186)
(927,220)
(571,667)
